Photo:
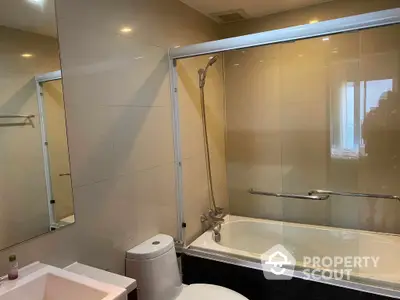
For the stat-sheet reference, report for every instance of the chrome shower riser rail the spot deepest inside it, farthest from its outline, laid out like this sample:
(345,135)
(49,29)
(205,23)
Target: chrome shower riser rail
(292,196)
(348,194)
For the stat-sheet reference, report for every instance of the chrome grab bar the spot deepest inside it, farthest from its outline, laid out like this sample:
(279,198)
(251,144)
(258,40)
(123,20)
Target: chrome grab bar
(16,116)
(293,196)
(323,192)
(64,174)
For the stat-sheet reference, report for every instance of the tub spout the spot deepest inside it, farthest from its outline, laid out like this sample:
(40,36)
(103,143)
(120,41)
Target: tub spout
(214,222)
(217,236)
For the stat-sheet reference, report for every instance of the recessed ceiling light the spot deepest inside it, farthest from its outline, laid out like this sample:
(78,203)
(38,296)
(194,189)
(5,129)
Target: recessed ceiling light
(125,29)
(38,3)
(313,21)
(177,46)
(26,55)
(325,39)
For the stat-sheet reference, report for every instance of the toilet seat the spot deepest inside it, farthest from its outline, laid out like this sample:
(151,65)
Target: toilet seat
(209,292)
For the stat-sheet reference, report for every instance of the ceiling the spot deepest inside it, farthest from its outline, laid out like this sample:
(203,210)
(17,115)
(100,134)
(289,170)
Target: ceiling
(36,16)
(252,8)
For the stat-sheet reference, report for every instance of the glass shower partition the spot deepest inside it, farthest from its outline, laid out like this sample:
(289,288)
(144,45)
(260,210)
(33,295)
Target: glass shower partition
(196,190)
(301,109)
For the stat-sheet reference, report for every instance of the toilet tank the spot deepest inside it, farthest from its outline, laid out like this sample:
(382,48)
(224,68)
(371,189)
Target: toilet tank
(154,265)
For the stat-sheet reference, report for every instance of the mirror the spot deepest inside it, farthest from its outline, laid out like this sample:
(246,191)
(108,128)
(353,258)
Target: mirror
(35,183)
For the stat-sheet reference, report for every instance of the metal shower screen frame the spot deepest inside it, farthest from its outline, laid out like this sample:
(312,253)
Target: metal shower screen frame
(336,26)
(40,80)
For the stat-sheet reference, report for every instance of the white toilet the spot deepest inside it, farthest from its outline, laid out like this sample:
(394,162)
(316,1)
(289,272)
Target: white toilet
(155,267)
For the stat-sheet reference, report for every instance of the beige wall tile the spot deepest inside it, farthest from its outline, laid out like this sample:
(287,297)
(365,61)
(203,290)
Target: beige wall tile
(116,89)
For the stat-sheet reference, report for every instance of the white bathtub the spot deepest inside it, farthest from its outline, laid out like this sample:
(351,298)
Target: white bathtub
(248,238)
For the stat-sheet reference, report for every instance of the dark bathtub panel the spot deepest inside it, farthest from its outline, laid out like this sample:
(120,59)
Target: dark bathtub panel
(252,284)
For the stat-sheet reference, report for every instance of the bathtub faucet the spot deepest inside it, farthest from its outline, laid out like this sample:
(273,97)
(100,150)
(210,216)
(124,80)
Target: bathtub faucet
(214,221)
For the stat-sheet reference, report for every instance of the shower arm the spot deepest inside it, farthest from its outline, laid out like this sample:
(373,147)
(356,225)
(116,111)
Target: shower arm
(292,196)
(348,194)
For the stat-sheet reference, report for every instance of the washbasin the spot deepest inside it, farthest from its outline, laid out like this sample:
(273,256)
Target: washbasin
(51,283)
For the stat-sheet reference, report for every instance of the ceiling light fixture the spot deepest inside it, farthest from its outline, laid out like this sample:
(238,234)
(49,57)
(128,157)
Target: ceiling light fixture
(325,39)
(125,29)
(38,3)
(26,55)
(313,21)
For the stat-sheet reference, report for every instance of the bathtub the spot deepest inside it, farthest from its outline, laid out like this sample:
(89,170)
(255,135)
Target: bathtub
(244,240)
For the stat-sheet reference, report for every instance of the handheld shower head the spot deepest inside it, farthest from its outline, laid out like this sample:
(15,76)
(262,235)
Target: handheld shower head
(212,60)
(203,72)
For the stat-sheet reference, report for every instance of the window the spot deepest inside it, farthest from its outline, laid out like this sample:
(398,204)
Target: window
(356,101)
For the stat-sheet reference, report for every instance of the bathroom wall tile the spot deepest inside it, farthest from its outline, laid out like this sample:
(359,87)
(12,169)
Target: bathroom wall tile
(190,108)
(263,177)
(90,143)
(191,131)
(148,85)
(137,195)
(195,194)
(305,153)
(123,139)
(116,89)
(309,81)
(142,138)
(253,134)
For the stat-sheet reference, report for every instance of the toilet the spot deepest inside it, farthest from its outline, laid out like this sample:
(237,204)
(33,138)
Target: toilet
(155,267)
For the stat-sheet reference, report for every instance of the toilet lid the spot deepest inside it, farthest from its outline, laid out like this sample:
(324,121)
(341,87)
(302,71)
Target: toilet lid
(209,292)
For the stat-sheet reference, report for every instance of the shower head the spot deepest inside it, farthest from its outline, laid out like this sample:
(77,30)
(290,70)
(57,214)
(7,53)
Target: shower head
(212,60)
(203,72)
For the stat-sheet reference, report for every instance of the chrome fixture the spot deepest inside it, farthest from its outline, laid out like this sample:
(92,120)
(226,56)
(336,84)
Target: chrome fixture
(202,82)
(293,196)
(64,174)
(213,221)
(16,116)
(348,194)
(203,72)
